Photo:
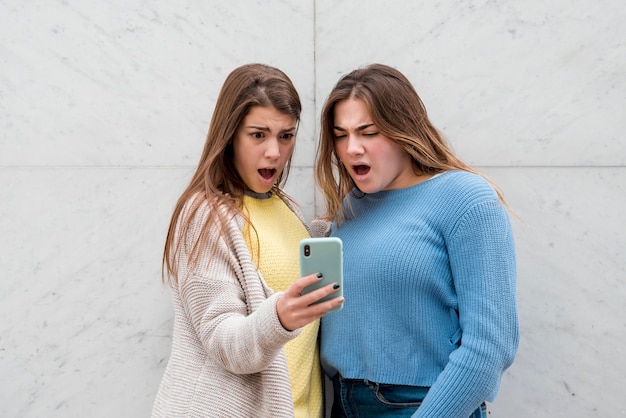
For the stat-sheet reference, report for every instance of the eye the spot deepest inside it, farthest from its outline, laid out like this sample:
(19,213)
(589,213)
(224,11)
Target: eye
(287,136)
(257,135)
(337,136)
(370,134)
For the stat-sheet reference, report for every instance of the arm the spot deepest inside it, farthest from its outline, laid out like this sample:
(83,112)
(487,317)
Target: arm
(218,295)
(482,260)
(224,298)
(241,343)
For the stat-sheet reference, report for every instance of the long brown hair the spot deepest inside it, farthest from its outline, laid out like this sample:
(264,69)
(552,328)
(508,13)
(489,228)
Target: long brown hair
(216,180)
(399,114)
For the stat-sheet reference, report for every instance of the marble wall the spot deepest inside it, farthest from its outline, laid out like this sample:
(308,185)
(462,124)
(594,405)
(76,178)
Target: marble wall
(103,111)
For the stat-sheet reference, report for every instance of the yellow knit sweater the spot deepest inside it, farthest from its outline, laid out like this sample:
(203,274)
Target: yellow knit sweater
(274,249)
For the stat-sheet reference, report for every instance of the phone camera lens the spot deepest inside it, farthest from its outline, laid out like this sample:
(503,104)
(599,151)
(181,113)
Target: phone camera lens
(307,250)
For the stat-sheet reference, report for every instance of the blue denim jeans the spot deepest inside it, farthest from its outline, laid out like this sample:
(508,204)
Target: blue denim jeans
(361,398)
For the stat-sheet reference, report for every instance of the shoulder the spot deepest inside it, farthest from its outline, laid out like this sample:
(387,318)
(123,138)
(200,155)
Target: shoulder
(459,191)
(198,207)
(466,186)
(461,195)
(472,204)
(201,215)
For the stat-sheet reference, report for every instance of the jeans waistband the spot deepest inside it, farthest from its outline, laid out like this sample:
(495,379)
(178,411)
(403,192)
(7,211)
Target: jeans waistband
(338,378)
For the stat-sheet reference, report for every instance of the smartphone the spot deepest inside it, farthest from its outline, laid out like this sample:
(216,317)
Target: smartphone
(323,255)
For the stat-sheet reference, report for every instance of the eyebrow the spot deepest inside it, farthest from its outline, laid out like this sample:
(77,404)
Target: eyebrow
(359,128)
(266,129)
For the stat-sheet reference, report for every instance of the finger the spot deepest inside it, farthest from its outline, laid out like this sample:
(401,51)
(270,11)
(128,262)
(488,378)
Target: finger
(296,288)
(322,308)
(331,304)
(320,293)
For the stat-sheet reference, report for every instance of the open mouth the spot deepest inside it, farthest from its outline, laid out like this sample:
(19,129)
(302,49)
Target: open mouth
(267,173)
(361,169)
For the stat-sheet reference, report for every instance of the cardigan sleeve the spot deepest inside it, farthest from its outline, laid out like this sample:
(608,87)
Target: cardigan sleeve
(215,303)
(482,260)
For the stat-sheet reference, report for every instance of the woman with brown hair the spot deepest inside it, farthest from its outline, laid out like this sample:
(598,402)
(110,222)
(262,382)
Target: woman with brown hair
(429,259)
(244,339)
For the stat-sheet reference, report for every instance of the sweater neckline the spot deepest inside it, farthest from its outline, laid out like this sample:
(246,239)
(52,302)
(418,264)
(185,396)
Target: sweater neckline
(256,195)
(400,191)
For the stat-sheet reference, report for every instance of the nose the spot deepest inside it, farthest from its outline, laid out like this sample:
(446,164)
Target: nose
(272,150)
(353,145)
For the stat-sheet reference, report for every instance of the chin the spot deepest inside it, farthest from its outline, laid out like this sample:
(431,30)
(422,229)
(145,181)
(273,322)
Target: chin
(262,189)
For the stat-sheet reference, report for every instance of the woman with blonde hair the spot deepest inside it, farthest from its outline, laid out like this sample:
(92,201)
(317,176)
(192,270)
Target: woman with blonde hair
(244,340)
(430,323)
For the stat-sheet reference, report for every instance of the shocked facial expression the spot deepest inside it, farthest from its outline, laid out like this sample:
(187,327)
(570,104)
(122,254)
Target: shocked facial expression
(262,146)
(373,161)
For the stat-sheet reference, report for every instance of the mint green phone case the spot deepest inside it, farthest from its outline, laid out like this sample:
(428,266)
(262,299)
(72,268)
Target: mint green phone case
(323,255)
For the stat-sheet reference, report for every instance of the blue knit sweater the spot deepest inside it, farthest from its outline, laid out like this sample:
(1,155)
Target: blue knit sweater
(430,298)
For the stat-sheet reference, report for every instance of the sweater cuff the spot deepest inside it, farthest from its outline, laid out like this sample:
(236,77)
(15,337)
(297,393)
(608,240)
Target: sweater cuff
(276,325)
(320,228)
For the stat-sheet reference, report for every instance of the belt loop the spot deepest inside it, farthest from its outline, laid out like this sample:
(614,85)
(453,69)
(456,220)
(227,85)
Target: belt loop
(371,385)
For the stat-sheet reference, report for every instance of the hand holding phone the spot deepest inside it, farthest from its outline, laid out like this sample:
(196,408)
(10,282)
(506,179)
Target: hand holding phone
(323,255)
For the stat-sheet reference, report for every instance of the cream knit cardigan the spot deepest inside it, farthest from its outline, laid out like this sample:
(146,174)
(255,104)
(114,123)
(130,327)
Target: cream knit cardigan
(227,357)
